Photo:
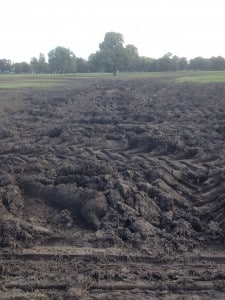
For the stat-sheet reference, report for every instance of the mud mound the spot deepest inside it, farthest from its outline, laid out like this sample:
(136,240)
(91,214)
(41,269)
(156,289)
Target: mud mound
(135,165)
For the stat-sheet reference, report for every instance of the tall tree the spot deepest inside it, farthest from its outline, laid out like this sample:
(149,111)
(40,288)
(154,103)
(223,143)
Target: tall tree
(112,52)
(43,65)
(34,65)
(62,60)
(131,58)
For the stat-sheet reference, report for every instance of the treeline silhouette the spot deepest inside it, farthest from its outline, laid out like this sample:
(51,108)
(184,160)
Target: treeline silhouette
(112,56)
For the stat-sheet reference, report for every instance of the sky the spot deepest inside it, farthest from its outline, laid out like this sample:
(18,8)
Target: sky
(188,28)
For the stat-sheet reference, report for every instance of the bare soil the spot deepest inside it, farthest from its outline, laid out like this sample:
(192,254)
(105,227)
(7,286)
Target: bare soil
(113,189)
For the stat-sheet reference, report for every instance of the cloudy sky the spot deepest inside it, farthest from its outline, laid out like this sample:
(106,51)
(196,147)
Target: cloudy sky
(187,28)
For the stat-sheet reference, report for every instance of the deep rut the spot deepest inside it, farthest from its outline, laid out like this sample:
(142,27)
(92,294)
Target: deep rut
(62,271)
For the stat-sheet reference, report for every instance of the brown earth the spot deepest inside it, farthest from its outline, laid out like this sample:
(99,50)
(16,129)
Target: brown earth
(113,189)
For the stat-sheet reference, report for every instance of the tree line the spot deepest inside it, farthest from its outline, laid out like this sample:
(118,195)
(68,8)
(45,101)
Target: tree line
(112,56)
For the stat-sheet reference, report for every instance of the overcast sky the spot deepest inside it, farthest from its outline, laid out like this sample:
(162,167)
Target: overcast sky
(187,28)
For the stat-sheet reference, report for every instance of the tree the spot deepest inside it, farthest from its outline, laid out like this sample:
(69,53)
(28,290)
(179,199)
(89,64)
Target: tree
(43,65)
(34,65)
(131,58)
(112,52)
(5,65)
(146,64)
(182,63)
(62,60)
(96,62)
(217,63)
(174,63)
(39,65)
(167,62)
(112,56)
(82,65)
(199,63)
(21,68)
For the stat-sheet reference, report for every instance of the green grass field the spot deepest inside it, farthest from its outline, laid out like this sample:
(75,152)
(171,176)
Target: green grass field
(203,77)
(19,81)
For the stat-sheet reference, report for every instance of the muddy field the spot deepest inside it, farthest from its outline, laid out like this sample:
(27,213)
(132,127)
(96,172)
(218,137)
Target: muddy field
(113,189)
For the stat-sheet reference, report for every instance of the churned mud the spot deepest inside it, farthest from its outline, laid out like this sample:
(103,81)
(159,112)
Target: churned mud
(113,189)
